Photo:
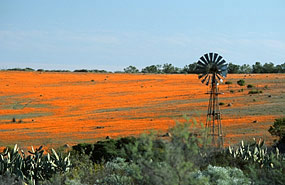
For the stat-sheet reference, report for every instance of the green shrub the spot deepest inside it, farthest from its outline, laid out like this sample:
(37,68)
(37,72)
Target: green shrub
(264,176)
(117,171)
(232,91)
(222,175)
(147,159)
(105,150)
(228,82)
(241,82)
(249,86)
(34,167)
(278,129)
(10,179)
(183,158)
(255,91)
(221,103)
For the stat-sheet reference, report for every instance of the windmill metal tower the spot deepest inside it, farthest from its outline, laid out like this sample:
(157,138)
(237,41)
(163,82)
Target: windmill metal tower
(211,68)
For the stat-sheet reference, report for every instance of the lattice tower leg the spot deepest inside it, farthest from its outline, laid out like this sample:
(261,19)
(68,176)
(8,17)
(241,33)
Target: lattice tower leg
(213,122)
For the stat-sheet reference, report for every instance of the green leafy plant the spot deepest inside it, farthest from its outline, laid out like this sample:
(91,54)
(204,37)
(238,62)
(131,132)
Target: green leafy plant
(33,167)
(278,129)
(256,153)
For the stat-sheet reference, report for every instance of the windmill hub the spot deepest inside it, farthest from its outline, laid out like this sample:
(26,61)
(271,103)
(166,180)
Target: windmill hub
(214,68)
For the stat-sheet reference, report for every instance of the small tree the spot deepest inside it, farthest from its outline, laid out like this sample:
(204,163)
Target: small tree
(257,67)
(170,69)
(131,69)
(278,128)
(190,69)
(233,68)
(152,69)
(245,68)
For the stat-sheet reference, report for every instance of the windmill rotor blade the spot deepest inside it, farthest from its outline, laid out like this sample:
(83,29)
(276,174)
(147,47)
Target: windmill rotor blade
(223,67)
(204,78)
(208,80)
(211,57)
(221,63)
(224,73)
(215,57)
(219,58)
(200,69)
(201,63)
(207,58)
(201,75)
(204,60)
(218,76)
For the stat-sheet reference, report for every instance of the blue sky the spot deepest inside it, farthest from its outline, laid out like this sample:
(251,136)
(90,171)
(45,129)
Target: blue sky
(114,34)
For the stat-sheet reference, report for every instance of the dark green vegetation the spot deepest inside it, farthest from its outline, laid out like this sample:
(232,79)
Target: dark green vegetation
(34,167)
(168,68)
(241,82)
(182,156)
(249,86)
(278,129)
(255,91)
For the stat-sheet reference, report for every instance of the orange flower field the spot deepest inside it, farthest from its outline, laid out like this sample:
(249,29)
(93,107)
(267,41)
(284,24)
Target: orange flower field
(52,109)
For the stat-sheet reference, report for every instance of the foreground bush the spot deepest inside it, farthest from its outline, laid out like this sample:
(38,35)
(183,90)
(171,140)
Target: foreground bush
(183,156)
(222,175)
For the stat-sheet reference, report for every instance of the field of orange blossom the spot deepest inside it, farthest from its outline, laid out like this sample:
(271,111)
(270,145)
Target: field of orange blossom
(53,109)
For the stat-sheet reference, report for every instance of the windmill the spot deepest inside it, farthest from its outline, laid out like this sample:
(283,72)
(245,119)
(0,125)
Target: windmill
(212,68)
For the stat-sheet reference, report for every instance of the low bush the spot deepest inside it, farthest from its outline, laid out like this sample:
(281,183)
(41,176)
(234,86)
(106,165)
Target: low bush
(255,91)
(222,175)
(228,82)
(249,86)
(105,150)
(241,82)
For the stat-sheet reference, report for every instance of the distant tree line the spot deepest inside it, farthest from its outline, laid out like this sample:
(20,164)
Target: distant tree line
(191,69)
(168,68)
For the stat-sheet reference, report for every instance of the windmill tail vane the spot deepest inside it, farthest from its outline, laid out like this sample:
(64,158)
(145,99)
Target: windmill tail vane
(212,68)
